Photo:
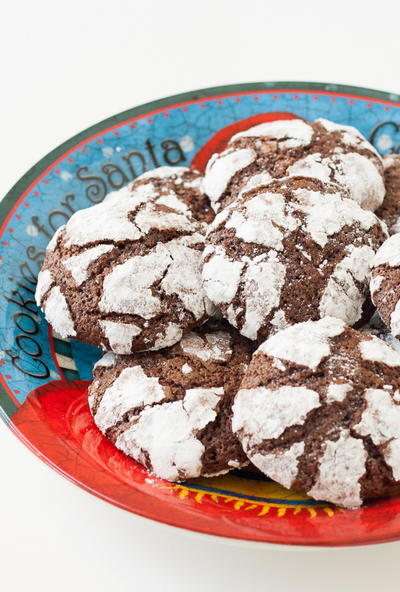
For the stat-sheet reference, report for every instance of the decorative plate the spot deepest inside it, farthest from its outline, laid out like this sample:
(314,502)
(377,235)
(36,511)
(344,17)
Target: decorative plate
(44,379)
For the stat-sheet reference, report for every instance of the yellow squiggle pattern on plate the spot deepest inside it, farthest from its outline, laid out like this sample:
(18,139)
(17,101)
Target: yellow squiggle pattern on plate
(250,495)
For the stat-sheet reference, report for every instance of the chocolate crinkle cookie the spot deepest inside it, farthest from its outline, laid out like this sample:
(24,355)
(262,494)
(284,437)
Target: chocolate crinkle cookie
(389,211)
(293,250)
(125,274)
(171,410)
(319,412)
(385,283)
(322,149)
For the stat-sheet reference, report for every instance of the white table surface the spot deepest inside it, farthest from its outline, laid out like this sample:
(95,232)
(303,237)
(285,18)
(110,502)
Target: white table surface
(67,65)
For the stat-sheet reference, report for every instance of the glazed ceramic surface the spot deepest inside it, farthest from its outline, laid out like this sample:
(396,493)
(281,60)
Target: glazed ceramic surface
(44,380)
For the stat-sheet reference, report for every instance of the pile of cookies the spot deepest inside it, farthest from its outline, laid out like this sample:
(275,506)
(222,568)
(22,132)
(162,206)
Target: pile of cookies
(234,311)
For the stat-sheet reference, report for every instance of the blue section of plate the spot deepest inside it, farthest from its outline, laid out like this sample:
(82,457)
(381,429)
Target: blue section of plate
(85,356)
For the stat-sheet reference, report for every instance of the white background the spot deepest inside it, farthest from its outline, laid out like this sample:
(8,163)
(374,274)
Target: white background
(63,67)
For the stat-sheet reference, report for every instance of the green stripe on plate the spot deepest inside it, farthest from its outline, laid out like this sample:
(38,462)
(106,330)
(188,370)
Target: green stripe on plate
(62,347)
(70,375)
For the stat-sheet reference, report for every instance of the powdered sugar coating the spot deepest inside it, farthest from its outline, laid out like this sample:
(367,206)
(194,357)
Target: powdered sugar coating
(57,313)
(178,188)
(332,126)
(152,218)
(125,192)
(261,414)
(389,160)
(220,275)
(106,361)
(281,466)
(164,172)
(362,178)
(375,283)
(173,176)
(166,434)
(392,456)
(376,350)
(120,335)
(395,320)
(353,171)
(290,133)
(337,393)
(54,240)
(340,469)
(221,169)
(261,283)
(44,283)
(262,220)
(210,346)
(172,201)
(170,334)
(256,181)
(200,405)
(279,321)
(305,343)
(131,389)
(381,422)
(128,287)
(388,253)
(262,286)
(111,221)
(326,215)
(78,265)
(349,135)
(183,277)
(312,165)
(342,296)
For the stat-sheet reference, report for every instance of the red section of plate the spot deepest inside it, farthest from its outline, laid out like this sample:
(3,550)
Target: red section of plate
(56,423)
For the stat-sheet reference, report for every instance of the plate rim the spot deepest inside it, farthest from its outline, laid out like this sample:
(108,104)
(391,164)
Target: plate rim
(185,97)
(9,201)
